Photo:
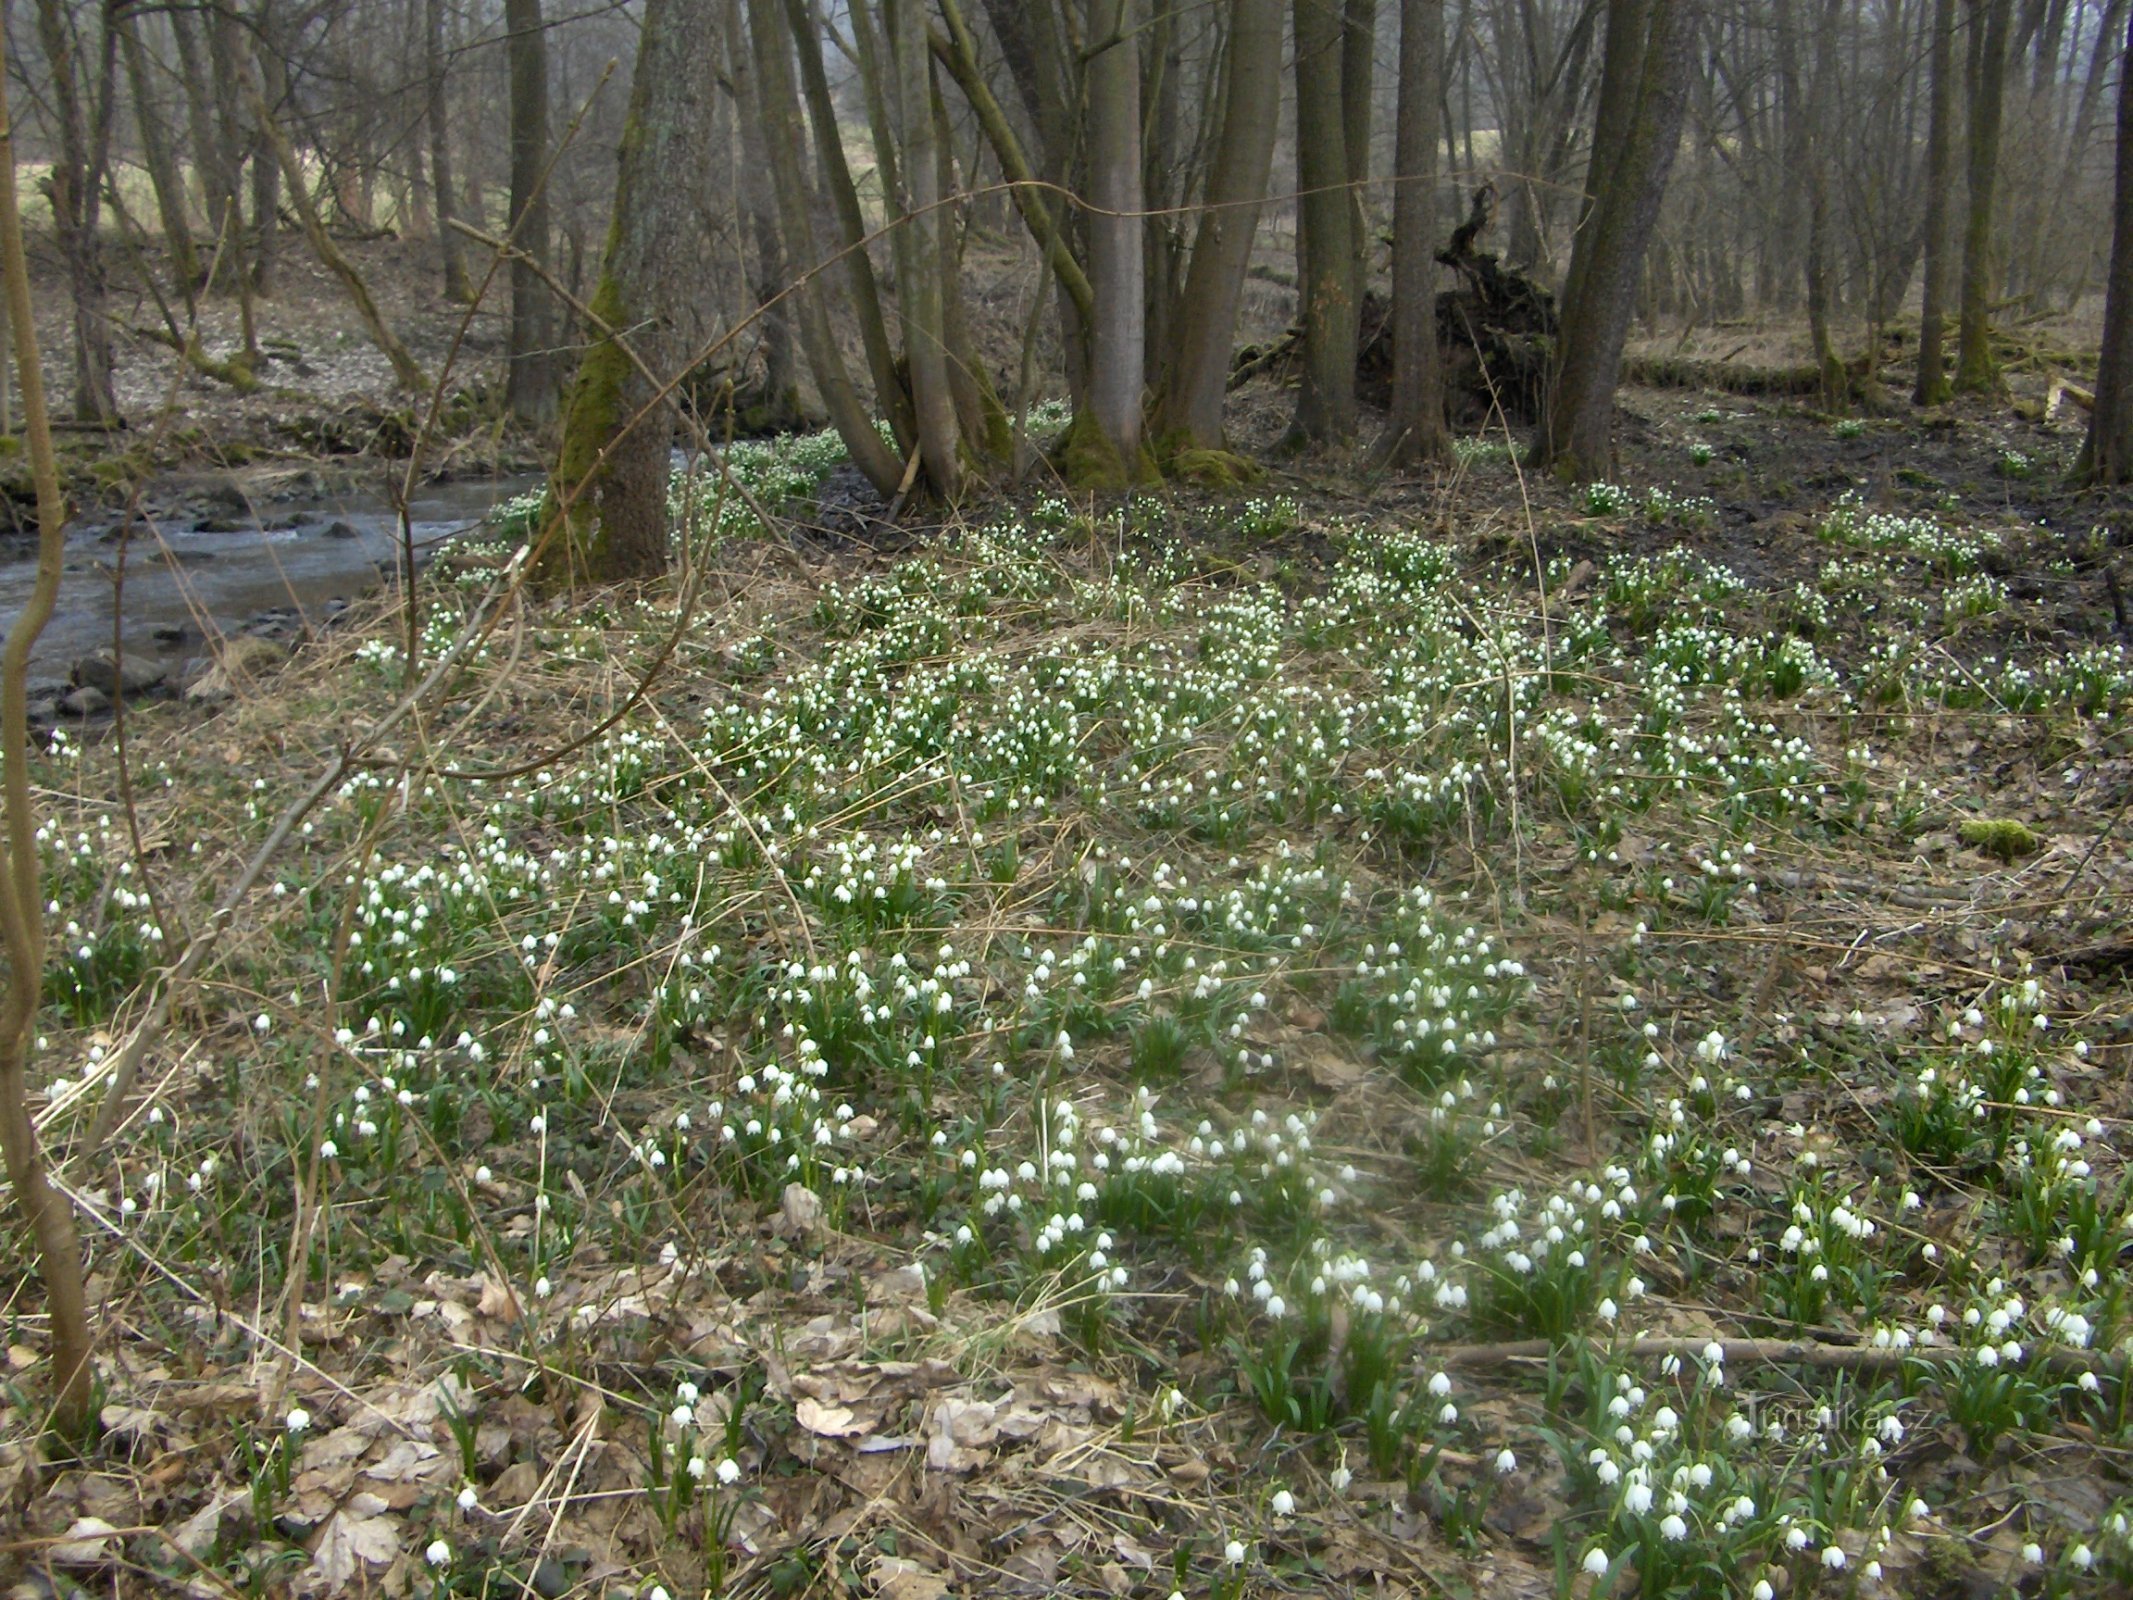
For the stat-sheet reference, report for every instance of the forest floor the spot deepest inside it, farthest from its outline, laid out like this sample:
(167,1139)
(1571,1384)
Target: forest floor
(1459,1038)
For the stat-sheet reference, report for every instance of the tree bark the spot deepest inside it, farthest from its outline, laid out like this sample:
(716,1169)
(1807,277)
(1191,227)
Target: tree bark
(1820,117)
(785,138)
(1932,388)
(2107,457)
(437,114)
(1359,37)
(272,80)
(1190,413)
(149,123)
(1117,349)
(769,274)
(1331,311)
(1643,95)
(612,467)
(890,395)
(76,193)
(1975,368)
(530,387)
(50,1219)
(917,243)
(1416,428)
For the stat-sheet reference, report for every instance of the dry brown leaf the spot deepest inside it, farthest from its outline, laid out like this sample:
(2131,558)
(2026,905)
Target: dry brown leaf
(90,1542)
(830,1421)
(351,1547)
(897,1579)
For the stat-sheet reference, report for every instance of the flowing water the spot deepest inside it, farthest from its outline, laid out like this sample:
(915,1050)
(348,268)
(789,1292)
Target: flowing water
(186,576)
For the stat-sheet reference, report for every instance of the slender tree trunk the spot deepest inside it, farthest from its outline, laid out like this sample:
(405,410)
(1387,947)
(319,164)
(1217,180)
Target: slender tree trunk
(76,183)
(1820,118)
(1163,229)
(1117,349)
(437,114)
(267,170)
(918,250)
(1332,297)
(767,280)
(406,370)
(2107,457)
(1190,415)
(784,139)
(1416,429)
(1932,388)
(1975,368)
(1643,95)
(149,123)
(1359,37)
(530,387)
(890,393)
(49,1217)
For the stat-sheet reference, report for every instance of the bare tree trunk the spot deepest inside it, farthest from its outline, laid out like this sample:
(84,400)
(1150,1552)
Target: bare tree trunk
(1416,430)
(267,169)
(1331,311)
(767,281)
(1359,37)
(1190,414)
(1932,388)
(149,124)
(890,394)
(76,188)
(785,138)
(1975,368)
(437,113)
(530,387)
(1821,94)
(1117,348)
(918,249)
(2107,457)
(1643,94)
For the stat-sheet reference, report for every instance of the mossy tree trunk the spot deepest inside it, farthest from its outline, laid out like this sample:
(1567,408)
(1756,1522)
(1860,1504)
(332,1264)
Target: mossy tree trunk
(1643,96)
(1189,414)
(2107,457)
(612,467)
(1416,429)
(1932,386)
(1975,369)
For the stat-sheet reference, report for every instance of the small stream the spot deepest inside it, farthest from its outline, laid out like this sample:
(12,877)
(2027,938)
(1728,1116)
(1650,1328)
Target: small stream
(218,560)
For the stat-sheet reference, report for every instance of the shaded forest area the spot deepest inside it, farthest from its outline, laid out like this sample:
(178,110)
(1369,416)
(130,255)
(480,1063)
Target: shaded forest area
(913,798)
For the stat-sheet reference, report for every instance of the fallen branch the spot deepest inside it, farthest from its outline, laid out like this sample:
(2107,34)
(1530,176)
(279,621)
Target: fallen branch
(236,372)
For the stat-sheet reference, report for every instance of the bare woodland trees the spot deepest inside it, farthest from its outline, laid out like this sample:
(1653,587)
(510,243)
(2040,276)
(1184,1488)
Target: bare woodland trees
(1643,94)
(863,156)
